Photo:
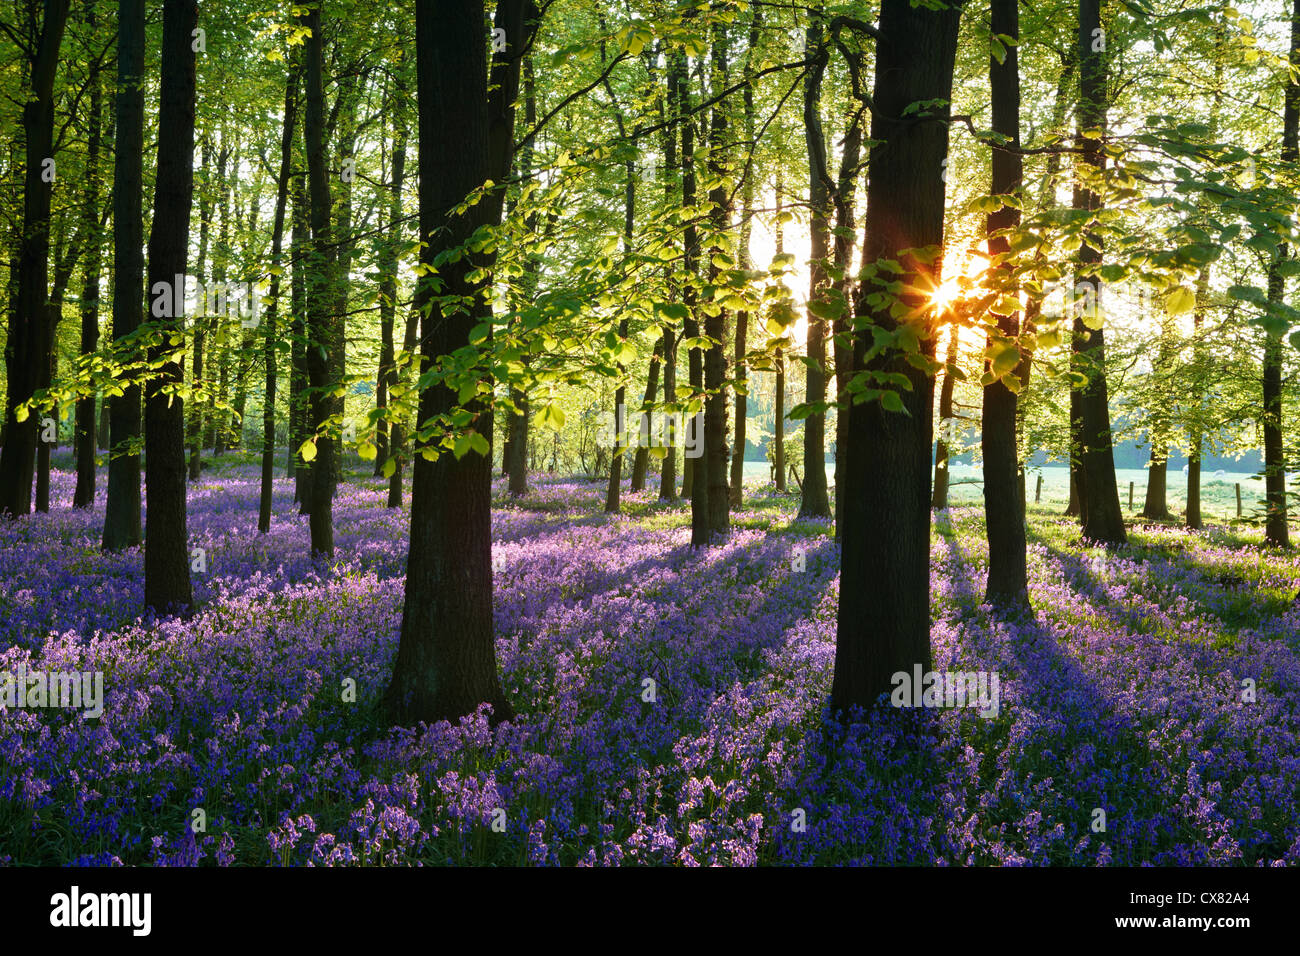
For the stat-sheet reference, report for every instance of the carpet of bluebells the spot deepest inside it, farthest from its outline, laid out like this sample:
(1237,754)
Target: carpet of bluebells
(1128,692)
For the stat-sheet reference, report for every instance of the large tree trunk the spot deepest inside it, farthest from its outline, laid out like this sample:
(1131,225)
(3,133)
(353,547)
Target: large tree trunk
(1276,531)
(166,553)
(122,505)
(1102,517)
(884,606)
(446,659)
(1004,503)
(84,495)
(277,241)
(816,502)
(321,278)
(26,351)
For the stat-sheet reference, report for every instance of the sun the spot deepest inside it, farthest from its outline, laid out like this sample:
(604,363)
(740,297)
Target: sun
(969,270)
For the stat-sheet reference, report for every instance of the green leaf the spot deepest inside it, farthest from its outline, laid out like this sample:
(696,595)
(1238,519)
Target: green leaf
(308,449)
(1181,300)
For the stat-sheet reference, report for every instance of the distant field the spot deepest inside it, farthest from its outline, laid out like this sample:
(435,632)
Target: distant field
(1218,496)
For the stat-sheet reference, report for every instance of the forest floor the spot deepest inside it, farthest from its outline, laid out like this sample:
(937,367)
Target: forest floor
(1159,683)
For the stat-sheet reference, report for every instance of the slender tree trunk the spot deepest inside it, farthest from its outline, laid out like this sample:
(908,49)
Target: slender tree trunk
(697,476)
(815,502)
(122,504)
(84,495)
(194,421)
(299,400)
(778,416)
(615,484)
(396,435)
(668,470)
(716,454)
(1156,504)
(845,191)
(388,293)
(166,552)
(737,490)
(884,605)
(939,494)
(641,463)
(1004,505)
(277,241)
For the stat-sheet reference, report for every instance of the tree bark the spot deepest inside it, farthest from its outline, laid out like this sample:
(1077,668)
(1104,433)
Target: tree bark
(716,453)
(939,493)
(1004,504)
(1102,517)
(122,504)
(321,291)
(272,311)
(883,623)
(27,349)
(166,552)
(1276,529)
(815,501)
(84,494)
(446,659)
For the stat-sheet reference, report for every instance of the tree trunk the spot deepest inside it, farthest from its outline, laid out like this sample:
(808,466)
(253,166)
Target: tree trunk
(641,463)
(1102,517)
(299,400)
(815,502)
(1004,504)
(396,436)
(166,552)
(939,494)
(321,278)
(27,347)
(884,605)
(194,421)
(668,470)
(716,454)
(737,491)
(697,477)
(277,241)
(388,290)
(122,504)
(1276,530)
(446,660)
(84,495)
